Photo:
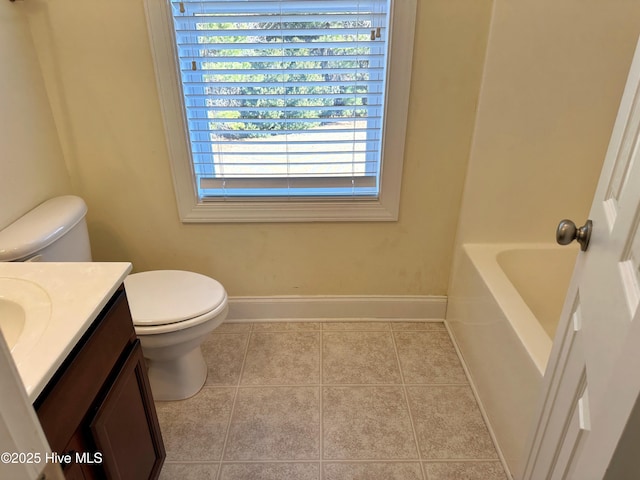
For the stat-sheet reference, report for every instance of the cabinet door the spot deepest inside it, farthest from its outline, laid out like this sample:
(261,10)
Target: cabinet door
(63,405)
(76,470)
(125,427)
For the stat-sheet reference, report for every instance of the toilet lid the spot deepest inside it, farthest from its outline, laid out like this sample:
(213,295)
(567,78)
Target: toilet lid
(160,297)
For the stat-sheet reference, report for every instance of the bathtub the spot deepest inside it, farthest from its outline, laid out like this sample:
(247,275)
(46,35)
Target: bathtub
(503,309)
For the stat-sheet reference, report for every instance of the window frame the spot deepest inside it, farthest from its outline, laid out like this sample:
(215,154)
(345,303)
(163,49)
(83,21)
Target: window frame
(192,210)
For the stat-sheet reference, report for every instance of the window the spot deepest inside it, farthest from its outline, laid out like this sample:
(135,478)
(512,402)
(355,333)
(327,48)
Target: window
(284,110)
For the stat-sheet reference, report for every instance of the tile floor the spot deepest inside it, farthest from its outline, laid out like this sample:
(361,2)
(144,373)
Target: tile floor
(330,401)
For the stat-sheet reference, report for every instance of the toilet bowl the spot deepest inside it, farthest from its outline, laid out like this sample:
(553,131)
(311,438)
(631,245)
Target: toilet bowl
(172,310)
(172,313)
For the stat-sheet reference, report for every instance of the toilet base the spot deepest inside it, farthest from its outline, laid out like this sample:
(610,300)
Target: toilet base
(178,378)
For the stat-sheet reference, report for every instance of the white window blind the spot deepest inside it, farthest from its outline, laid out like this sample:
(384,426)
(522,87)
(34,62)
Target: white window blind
(284,98)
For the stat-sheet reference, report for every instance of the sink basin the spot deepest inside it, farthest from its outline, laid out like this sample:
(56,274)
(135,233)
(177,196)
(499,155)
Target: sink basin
(12,317)
(25,311)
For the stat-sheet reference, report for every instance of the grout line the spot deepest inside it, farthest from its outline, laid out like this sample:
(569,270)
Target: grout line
(360,460)
(462,460)
(339,385)
(328,319)
(389,323)
(260,462)
(345,461)
(233,405)
(406,399)
(332,384)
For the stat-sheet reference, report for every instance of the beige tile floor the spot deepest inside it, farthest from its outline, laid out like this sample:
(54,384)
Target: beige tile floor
(331,401)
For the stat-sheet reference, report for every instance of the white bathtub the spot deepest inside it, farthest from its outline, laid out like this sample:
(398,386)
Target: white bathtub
(504,304)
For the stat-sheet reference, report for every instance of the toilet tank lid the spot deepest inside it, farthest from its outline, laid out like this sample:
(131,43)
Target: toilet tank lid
(41,227)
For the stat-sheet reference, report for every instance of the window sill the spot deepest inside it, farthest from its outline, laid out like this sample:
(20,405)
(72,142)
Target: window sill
(288,211)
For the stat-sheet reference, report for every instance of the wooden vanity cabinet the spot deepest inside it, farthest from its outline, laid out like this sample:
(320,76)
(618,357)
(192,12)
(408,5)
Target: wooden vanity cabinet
(98,407)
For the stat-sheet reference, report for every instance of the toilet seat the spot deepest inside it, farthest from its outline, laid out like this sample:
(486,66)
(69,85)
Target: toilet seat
(220,312)
(164,298)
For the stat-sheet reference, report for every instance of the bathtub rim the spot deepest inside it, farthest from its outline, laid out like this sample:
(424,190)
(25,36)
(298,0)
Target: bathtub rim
(532,336)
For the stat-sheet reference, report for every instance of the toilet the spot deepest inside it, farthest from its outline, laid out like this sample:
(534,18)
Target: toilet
(172,310)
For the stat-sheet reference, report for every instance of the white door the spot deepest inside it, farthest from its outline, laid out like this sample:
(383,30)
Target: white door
(592,380)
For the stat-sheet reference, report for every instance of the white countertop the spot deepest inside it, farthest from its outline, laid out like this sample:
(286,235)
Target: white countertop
(78,292)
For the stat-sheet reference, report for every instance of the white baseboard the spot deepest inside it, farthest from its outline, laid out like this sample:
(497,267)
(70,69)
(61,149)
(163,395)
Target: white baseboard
(387,307)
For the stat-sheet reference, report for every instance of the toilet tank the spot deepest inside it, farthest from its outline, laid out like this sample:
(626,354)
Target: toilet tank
(54,231)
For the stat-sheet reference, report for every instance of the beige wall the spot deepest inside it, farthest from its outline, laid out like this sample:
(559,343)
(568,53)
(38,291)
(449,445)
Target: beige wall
(97,64)
(553,80)
(31,163)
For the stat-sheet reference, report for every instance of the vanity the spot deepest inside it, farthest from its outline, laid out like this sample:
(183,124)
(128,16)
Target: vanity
(84,371)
